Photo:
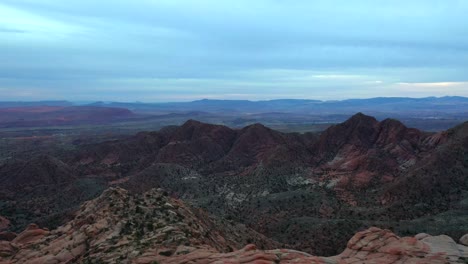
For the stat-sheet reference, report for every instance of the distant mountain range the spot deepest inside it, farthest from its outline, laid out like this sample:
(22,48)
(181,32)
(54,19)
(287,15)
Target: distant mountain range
(428,106)
(429,114)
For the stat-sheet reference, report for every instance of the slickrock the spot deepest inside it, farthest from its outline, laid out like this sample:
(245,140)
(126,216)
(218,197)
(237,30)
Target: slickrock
(370,246)
(7,249)
(249,254)
(119,227)
(446,245)
(32,234)
(464,240)
(152,228)
(382,246)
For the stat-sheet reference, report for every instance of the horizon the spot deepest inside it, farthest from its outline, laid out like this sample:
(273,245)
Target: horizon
(207,99)
(185,50)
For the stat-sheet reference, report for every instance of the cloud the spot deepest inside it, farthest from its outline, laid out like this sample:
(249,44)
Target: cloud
(435,88)
(328,49)
(20,26)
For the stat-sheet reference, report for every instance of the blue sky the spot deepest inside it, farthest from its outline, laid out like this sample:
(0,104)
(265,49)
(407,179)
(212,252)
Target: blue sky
(173,50)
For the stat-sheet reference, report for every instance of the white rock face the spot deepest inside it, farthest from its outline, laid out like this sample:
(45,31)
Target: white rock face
(446,245)
(464,240)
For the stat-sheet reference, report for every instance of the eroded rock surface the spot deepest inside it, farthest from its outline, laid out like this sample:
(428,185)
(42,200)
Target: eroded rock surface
(152,228)
(464,240)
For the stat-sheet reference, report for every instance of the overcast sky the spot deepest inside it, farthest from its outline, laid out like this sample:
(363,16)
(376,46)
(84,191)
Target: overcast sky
(174,50)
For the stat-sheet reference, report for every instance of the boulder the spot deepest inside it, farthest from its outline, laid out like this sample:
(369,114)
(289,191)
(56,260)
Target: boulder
(464,240)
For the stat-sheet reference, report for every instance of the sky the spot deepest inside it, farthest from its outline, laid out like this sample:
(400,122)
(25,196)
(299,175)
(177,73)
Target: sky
(184,50)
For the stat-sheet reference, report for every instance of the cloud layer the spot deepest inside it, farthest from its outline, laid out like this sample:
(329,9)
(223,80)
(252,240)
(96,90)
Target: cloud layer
(174,50)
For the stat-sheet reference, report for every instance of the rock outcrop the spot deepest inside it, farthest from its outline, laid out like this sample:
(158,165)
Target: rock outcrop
(152,228)
(464,240)
(370,246)
(117,226)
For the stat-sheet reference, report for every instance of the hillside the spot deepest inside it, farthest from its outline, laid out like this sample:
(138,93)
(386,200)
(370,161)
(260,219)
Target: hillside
(297,189)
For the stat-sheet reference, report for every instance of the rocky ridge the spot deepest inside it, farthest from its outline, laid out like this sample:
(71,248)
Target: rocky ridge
(118,227)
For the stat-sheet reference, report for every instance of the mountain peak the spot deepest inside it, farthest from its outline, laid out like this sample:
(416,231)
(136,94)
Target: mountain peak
(392,123)
(359,130)
(360,118)
(256,126)
(193,126)
(192,123)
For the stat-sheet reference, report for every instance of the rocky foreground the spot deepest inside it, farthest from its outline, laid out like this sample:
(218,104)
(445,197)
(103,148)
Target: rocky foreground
(153,228)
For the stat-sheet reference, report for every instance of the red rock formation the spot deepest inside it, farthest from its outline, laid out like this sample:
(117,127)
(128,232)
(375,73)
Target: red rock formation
(370,246)
(152,228)
(32,234)
(438,177)
(267,178)
(195,144)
